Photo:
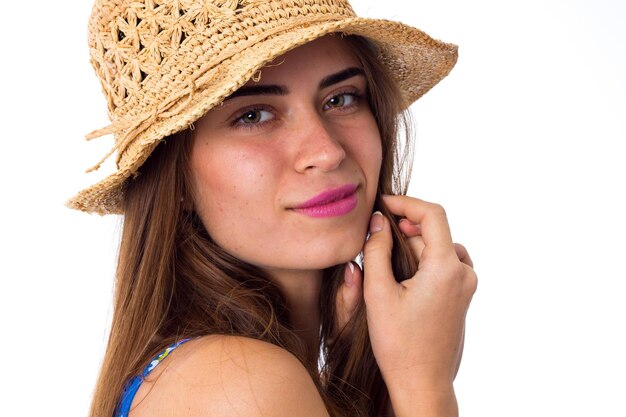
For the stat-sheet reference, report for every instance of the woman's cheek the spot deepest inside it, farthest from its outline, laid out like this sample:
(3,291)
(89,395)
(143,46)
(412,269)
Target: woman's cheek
(235,193)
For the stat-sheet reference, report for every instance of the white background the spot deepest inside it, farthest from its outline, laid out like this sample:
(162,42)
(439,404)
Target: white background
(523,144)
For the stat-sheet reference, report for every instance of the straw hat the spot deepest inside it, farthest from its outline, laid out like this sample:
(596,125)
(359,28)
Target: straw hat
(164,63)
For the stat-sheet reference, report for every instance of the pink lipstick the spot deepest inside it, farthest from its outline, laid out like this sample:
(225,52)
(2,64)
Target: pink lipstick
(330,203)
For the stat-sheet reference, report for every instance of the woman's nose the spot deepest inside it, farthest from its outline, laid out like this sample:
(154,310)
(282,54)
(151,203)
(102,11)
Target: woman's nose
(319,147)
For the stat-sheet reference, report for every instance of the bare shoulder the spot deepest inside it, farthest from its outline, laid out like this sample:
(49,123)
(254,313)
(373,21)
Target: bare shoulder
(229,376)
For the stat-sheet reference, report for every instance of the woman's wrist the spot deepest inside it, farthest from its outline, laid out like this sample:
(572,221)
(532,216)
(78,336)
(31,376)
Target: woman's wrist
(424,402)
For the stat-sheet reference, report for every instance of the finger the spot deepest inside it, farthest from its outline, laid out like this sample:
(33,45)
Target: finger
(349,294)
(431,218)
(463,255)
(378,279)
(413,233)
(417,246)
(409,228)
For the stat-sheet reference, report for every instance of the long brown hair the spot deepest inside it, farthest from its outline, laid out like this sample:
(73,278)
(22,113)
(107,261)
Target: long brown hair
(174,282)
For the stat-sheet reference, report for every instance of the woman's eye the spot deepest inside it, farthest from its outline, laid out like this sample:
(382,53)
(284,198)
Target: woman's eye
(340,100)
(254,116)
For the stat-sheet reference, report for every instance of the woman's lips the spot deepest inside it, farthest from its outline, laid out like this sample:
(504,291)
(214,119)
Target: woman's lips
(330,203)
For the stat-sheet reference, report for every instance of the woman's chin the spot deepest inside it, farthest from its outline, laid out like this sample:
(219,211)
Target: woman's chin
(341,256)
(313,261)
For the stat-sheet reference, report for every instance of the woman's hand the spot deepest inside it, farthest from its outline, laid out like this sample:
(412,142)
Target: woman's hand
(417,326)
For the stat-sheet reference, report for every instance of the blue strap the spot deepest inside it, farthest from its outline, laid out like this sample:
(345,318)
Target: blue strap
(132,386)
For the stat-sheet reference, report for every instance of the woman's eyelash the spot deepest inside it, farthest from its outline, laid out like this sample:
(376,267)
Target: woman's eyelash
(258,116)
(253,117)
(354,98)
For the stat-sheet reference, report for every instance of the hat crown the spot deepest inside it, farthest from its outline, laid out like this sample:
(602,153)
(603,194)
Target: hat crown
(138,46)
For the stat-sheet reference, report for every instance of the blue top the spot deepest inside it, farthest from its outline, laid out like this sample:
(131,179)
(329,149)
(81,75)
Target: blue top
(132,386)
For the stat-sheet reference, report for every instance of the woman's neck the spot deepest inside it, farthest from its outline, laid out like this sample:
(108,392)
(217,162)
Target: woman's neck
(301,290)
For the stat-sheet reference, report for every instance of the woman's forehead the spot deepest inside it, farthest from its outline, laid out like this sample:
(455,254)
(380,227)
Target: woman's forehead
(327,54)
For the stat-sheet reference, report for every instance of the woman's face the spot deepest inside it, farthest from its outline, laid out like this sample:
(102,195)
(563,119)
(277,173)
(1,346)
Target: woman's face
(285,172)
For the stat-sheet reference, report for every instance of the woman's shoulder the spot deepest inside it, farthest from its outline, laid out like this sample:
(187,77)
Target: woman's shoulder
(229,376)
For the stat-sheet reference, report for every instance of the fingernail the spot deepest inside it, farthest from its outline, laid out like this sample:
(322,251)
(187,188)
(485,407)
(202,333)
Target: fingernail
(349,275)
(376,224)
(405,220)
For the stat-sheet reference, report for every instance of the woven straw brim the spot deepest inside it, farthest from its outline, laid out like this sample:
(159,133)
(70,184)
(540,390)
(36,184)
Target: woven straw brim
(415,60)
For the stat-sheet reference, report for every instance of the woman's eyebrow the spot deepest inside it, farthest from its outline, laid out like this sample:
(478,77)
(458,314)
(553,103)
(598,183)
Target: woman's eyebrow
(281,90)
(260,90)
(340,76)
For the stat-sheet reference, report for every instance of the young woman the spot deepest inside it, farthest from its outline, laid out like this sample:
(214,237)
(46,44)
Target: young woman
(255,139)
